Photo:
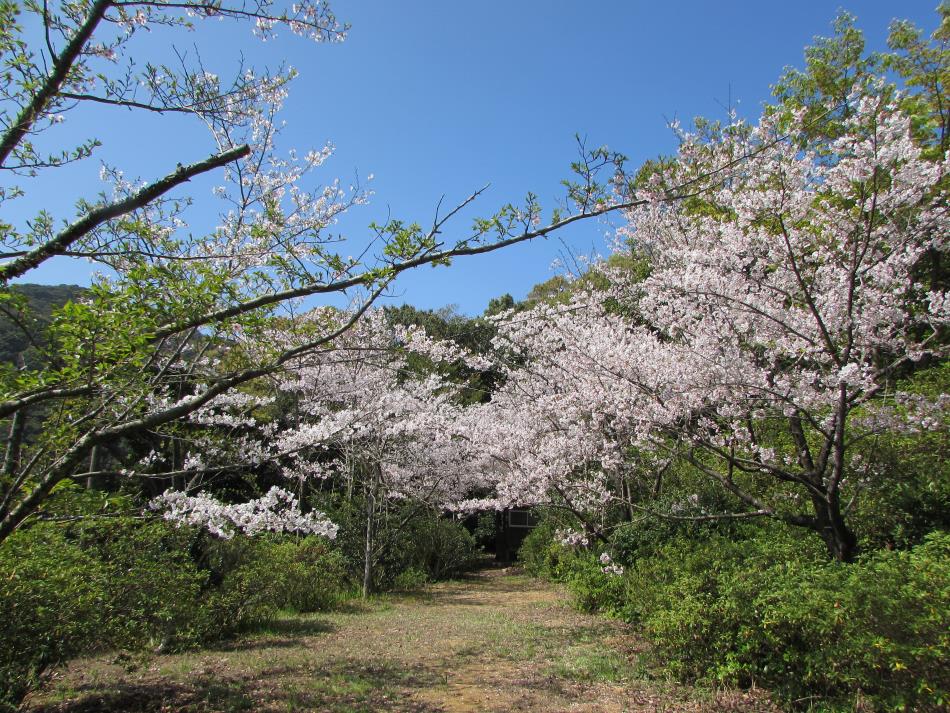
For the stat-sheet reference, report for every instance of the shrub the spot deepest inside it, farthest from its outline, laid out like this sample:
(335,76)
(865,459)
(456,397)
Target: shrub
(541,555)
(441,548)
(255,578)
(908,492)
(316,576)
(152,591)
(758,604)
(67,590)
(410,580)
(127,584)
(52,597)
(775,612)
(593,589)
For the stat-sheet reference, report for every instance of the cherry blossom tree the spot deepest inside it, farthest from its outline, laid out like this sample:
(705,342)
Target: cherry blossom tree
(792,298)
(363,421)
(781,306)
(556,432)
(154,340)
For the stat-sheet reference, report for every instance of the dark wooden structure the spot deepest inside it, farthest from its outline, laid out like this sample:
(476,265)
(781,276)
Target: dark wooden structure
(512,526)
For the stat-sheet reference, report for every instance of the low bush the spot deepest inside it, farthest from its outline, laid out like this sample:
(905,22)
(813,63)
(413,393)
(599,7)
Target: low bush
(51,607)
(541,555)
(596,590)
(255,578)
(152,592)
(772,610)
(410,580)
(66,591)
(441,548)
(90,586)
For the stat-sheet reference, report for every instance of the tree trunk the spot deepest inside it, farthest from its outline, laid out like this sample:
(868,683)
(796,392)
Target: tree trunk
(11,458)
(841,542)
(368,551)
(93,482)
(823,489)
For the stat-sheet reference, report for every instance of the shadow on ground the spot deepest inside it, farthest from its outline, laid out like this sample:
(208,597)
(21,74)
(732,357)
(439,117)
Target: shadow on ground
(278,633)
(340,686)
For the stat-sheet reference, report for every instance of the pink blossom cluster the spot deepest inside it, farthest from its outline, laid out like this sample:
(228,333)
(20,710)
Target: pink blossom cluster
(276,511)
(571,538)
(608,566)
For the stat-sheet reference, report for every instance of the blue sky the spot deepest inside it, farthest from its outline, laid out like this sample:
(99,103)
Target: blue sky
(442,98)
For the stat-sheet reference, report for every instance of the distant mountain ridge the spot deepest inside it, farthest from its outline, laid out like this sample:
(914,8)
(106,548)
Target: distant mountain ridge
(19,329)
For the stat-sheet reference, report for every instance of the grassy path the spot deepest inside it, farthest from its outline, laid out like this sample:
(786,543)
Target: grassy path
(497,641)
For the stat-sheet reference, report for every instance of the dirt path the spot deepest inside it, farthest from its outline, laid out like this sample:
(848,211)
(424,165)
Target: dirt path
(498,641)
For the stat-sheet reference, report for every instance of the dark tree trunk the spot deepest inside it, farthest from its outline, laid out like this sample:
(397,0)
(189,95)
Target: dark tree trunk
(368,551)
(841,542)
(828,521)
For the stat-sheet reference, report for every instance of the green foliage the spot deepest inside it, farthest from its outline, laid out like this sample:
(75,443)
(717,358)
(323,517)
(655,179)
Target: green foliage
(407,538)
(756,605)
(906,493)
(474,335)
(593,589)
(152,590)
(51,598)
(834,66)
(68,590)
(561,290)
(442,548)
(540,555)
(902,481)
(925,69)
(486,529)
(631,543)
(499,304)
(554,289)
(774,612)
(25,314)
(258,577)
(403,242)
(410,579)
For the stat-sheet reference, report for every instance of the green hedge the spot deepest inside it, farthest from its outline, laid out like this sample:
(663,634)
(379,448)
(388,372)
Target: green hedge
(774,612)
(256,578)
(127,584)
(771,610)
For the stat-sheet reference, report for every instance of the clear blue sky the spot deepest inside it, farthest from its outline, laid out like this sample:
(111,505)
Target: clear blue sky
(444,97)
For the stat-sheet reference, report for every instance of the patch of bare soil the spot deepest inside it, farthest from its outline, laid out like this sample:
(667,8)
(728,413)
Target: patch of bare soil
(497,641)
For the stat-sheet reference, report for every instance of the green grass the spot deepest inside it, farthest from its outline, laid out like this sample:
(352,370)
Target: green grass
(595,665)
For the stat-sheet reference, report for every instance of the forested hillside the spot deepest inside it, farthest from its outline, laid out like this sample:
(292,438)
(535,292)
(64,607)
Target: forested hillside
(24,316)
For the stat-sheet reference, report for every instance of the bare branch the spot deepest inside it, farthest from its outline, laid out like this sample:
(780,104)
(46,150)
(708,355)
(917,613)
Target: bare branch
(97,217)
(54,82)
